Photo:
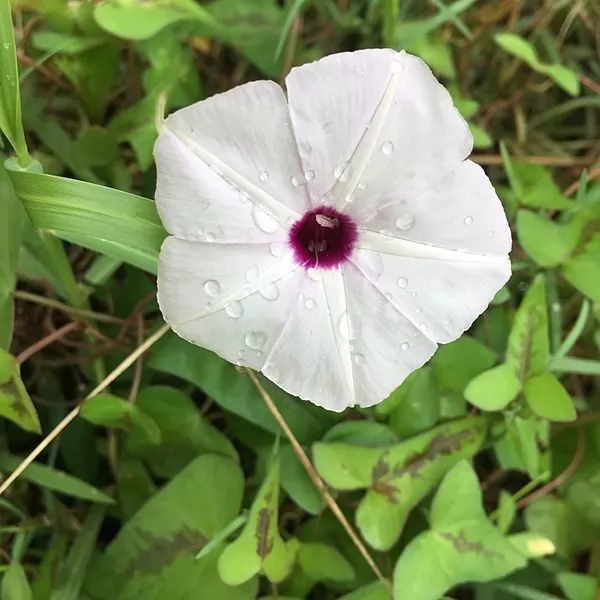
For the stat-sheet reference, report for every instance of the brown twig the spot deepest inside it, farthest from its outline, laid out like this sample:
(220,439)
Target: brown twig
(315,477)
(46,341)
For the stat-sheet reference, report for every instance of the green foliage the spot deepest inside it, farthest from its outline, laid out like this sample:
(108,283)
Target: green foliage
(166,485)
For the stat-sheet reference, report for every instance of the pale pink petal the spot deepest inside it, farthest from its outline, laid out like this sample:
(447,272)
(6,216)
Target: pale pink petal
(460,212)
(440,291)
(230,298)
(380,113)
(238,141)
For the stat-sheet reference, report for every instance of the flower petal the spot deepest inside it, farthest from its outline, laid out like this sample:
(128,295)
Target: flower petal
(462,211)
(197,204)
(244,137)
(384,115)
(440,291)
(232,299)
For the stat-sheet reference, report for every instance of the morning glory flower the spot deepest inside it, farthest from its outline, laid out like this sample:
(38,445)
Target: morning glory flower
(330,239)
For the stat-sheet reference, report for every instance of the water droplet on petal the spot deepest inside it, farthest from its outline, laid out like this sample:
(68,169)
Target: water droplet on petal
(387,148)
(342,171)
(212,287)
(405,221)
(244,197)
(242,353)
(210,237)
(388,297)
(491,233)
(255,339)
(297,181)
(403,282)
(264,221)
(252,273)
(314,274)
(469,220)
(362,186)
(309,175)
(414,294)
(234,309)
(277,249)
(404,346)
(310,303)
(240,362)
(418,310)
(359,359)
(270,292)
(263,176)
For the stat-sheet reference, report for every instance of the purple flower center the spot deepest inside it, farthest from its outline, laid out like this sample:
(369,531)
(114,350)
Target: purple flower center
(323,238)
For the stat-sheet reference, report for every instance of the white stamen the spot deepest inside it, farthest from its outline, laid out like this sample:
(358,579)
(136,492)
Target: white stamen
(325,221)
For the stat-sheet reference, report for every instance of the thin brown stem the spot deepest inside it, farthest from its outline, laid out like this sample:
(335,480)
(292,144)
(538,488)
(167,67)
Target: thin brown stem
(46,341)
(316,479)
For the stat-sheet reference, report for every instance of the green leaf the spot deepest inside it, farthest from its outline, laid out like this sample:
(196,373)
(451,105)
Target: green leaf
(259,548)
(397,476)
(11,124)
(234,391)
(185,432)
(458,363)
(153,555)
(521,48)
(53,479)
(111,411)
(296,482)
(494,389)
(507,510)
(115,223)
(142,21)
(52,41)
(361,433)
(462,545)
(532,545)
(548,243)
(74,568)
(525,447)
(322,562)
(134,487)
(548,398)
(419,408)
(14,583)
(583,270)
(15,403)
(373,591)
(578,586)
(537,188)
(11,226)
(528,344)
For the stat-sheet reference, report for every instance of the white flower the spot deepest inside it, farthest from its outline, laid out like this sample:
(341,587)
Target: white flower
(332,240)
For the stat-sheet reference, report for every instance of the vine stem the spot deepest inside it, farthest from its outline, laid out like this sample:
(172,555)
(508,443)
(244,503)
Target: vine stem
(73,414)
(316,478)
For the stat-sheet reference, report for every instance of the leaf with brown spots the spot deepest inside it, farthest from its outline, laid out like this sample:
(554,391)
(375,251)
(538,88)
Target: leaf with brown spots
(462,544)
(259,548)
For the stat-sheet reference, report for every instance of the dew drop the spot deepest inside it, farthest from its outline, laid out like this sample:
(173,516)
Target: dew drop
(6,46)
(212,287)
(255,339)
(404,346)
(362,186)
(418,311)
(264,221)
(388,297)
(242,353)
(310,304)
(387,148)
(422,326)
(263,176)
(309,175)
(252,273)
(297,181)
(259,354)
(359,359)
(210,237)
(270,292)
(469,220)
(234,309)
(403,282)
(277,249)
(314,274)
(342,172)
(414,294)
(491,233)
(405,221)
(240,362)
(244,197)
